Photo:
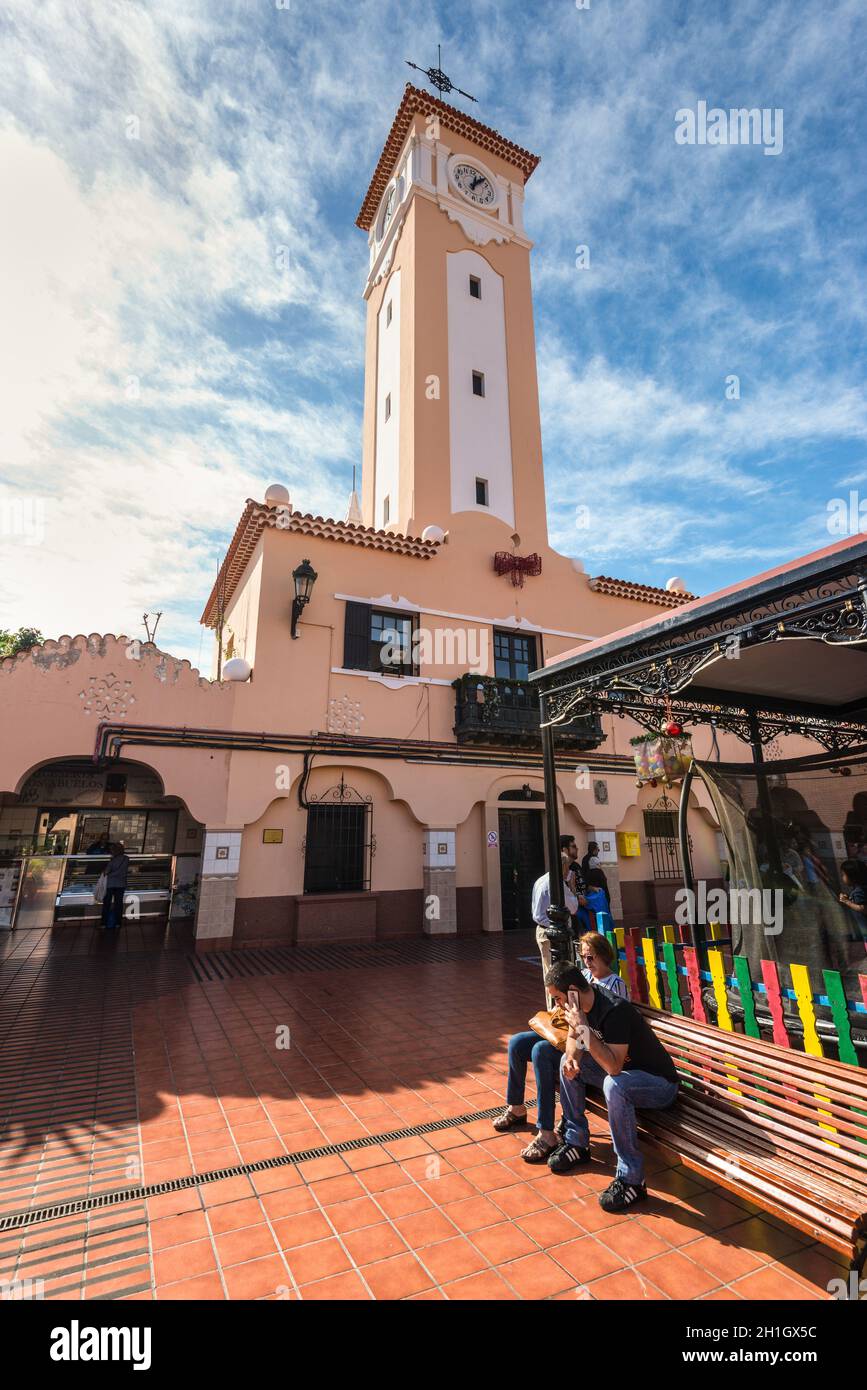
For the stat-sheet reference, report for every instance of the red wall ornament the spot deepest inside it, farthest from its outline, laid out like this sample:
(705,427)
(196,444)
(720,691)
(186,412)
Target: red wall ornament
(517,566)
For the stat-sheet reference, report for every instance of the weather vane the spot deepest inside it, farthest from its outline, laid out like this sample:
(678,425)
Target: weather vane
(437,77)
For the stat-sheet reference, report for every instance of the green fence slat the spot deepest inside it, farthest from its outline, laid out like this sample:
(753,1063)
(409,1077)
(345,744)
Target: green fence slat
(745,985)
(671,972)
(837,997)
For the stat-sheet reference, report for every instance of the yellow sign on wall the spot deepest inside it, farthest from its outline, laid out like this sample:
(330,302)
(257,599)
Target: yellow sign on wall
(628,844)
(272,837)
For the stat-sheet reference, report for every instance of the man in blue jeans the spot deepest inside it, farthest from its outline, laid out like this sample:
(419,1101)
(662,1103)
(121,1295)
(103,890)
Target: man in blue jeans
(610,1045)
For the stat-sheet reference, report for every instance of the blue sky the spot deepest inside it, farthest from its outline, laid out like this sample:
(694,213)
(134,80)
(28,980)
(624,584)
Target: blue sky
(159,365)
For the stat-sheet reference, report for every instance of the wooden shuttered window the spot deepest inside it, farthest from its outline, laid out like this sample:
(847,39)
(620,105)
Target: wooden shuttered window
(356,637)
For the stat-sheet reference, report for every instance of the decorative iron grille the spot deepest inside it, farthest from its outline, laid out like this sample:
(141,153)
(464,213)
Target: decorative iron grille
(339,844)
(660,829)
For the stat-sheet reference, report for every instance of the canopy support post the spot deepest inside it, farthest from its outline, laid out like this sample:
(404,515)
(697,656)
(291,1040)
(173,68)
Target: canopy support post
(558,932)
(685,859)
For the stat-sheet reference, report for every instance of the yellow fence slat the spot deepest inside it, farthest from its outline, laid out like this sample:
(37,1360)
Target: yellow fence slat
(653,991)
(668,933)
(718,981)
(723,1017)
(812,1043)
(621,946)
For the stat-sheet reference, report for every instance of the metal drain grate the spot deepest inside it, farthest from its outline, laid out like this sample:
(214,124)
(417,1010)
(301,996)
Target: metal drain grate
(37,1216)
(279,960)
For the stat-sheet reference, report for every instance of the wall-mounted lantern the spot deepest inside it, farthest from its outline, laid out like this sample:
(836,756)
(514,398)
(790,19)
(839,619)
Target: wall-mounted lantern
(305,577)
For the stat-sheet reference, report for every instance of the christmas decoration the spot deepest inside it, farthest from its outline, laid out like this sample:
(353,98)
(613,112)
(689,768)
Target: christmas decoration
(661,758)
(517,566)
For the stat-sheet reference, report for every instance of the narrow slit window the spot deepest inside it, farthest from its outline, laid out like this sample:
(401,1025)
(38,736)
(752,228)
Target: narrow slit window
(475,287)
(388,313)
(386,511)
(478,383)
(388,406)
(481,492)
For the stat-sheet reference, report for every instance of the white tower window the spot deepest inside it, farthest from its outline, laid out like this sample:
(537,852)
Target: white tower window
(388,314)
(478,383)
(386,511)
(481,492)
(475,287)
(388,406)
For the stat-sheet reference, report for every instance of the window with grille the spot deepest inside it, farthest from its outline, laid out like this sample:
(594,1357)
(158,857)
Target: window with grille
(338,846)
(660,829)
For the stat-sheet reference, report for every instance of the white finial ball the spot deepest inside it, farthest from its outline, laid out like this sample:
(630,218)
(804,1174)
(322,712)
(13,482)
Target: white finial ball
(237,669)
(675,585)
(433,533)
(277,495)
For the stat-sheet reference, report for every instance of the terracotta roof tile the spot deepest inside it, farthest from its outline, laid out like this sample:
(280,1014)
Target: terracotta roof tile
(416,102)
(258,515)
(645,593)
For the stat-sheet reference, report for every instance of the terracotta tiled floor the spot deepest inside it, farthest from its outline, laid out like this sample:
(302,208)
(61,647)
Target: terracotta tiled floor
(125,1068)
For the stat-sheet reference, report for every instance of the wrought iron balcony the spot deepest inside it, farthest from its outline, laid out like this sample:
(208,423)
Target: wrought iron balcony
(489,709)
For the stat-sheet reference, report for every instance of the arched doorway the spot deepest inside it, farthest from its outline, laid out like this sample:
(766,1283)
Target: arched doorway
(54,834)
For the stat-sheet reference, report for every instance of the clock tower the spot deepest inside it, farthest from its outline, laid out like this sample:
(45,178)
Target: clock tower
(451,408)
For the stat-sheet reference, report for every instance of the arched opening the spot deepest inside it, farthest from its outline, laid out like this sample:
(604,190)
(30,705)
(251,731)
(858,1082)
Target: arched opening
(55,834)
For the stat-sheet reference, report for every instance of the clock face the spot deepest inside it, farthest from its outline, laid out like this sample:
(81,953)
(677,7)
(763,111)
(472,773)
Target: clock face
(392,198)
(474,185)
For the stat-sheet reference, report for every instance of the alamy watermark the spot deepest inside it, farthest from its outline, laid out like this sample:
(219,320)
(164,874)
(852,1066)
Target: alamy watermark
(467,648)
(738,126)
(23,519)
(847,516)
(730,907)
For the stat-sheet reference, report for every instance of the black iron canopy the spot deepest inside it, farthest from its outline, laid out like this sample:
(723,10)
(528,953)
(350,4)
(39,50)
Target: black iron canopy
(785,652)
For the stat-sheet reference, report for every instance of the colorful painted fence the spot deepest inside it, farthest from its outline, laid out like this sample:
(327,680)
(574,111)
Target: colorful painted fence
(667,974)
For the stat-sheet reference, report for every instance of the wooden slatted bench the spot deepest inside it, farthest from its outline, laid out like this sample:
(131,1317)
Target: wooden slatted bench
(787,1130)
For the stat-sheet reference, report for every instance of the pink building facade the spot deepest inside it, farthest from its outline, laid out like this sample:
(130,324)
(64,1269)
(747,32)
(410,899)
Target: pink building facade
(377,772)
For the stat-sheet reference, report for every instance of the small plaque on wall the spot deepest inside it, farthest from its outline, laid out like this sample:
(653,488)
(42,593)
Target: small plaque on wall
(272,837)
(221,852)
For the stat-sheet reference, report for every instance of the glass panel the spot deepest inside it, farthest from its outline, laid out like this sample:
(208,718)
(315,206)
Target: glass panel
(160,833)
(42,876)
(514,656)
(129,827)
(391,643)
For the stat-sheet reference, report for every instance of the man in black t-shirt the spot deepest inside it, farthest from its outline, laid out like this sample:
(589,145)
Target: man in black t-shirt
(611,1045)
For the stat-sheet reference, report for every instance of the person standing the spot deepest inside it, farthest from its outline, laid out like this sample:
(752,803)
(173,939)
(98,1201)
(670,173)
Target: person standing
(540,904)
(591,863)
(854,895)
(116,877)
(573,878)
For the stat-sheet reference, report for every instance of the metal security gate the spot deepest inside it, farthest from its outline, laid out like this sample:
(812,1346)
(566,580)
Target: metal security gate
(339,845)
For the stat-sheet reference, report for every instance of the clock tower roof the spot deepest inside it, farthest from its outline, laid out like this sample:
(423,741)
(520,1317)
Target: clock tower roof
(417,102)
